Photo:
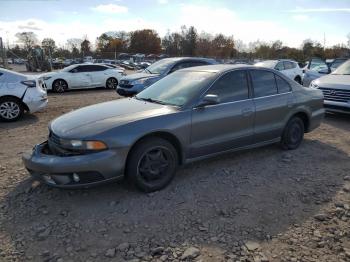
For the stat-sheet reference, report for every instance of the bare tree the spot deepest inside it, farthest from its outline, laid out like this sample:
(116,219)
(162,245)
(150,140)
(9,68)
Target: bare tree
(28,39)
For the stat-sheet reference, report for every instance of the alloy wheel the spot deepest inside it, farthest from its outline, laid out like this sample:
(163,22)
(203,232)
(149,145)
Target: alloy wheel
(9,110)
(60,86)
(112,83)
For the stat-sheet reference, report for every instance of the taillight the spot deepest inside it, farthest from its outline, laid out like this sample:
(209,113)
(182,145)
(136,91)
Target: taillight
(29,83)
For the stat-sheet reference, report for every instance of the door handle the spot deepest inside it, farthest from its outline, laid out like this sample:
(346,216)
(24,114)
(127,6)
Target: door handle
(247,111)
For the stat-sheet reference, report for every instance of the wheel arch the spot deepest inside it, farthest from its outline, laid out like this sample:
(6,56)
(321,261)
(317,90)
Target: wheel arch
(25,107)
(171,138)
(304,117)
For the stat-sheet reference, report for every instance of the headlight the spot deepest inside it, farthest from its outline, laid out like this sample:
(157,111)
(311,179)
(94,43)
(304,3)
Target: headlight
(139,81)
(93,145)
(47,77)
(313,84)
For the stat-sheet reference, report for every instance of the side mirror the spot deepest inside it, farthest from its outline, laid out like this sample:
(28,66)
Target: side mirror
(209,99)
(324,71)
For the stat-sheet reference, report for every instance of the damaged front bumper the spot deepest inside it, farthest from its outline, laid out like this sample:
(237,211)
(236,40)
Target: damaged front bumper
(74,171)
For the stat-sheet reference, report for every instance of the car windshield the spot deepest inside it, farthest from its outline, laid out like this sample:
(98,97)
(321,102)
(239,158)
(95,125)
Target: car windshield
(344,69)
(176,89)
(159,67)
(337,63)
(268,64)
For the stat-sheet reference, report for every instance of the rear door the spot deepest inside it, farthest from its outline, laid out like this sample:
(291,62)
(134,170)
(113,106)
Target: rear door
(80,77)
(98,75)
(227,125)
(273,99)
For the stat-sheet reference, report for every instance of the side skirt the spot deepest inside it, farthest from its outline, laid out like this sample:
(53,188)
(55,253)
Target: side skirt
(260,144)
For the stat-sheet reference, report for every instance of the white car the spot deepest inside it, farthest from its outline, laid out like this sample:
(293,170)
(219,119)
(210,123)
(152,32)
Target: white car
(19,93)
(82,76)
(289,68)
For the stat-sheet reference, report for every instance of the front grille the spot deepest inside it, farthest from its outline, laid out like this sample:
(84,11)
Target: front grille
(125,84)
(337,95)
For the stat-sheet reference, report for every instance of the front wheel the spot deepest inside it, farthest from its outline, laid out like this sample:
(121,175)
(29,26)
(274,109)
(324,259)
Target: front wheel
(111,83)
(293,134)
(59,86)
(152,164)
(11,109)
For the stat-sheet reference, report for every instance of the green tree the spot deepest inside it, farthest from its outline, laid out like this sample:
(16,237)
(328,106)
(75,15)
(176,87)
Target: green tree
(145,41)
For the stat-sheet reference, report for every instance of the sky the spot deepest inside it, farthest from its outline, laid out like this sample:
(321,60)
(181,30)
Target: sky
(290,21)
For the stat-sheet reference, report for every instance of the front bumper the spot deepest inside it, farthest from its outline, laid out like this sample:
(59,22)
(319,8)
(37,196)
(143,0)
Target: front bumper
(337,107)
(125,92)
(63,171)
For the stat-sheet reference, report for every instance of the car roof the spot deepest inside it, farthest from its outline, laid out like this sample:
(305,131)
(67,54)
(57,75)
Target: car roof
(219,68)
(177,59)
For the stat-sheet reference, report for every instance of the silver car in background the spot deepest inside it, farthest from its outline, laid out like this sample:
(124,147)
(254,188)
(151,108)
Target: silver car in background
(336,89)
(189,115)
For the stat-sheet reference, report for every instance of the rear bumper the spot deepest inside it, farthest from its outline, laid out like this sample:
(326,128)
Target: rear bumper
(63,171)
(337,107)
(316,119)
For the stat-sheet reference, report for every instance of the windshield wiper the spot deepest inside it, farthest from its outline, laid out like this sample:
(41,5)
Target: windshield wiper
(148,71)
(151,100)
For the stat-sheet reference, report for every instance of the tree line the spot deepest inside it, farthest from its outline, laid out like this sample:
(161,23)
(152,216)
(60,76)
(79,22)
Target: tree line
(185,42)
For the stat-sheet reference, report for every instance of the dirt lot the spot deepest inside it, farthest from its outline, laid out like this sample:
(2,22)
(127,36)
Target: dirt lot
(258,205)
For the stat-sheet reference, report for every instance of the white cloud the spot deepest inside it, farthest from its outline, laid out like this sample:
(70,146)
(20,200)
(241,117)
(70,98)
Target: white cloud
(111,9)
(300,18)
(319,10)
(163,2)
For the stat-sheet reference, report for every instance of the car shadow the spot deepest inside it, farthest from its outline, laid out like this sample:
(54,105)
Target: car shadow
(338,120)
(26,119)
(80,90)
(218,202)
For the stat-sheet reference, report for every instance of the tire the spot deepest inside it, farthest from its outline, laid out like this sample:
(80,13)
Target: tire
(293,134)
(59,86)
(298,80)
(111,83)
(11,109)
(152,164)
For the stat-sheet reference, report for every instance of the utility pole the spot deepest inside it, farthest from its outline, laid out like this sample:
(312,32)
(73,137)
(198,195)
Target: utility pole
(324,41)
(3,53)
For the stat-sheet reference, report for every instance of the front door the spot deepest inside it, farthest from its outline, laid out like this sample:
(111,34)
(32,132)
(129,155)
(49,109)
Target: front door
(228,124)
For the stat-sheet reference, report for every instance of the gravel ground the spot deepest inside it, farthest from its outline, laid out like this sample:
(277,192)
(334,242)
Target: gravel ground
(258,205)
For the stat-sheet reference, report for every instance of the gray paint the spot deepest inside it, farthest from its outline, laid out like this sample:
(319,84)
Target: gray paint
(201,132)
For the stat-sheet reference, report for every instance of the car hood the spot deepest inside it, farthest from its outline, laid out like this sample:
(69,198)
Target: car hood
(92,120)
(334,81)
(139,76)
(48,74)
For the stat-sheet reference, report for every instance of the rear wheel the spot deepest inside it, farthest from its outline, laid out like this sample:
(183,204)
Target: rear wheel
(11,109)
(152,164)
(59,86)
(111,83)
(293,134)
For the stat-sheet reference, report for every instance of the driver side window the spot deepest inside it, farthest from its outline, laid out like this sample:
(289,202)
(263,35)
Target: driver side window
(231,87)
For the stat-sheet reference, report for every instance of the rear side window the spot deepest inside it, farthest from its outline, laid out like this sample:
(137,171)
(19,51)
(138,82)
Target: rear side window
(1,74)
(288,65)
(264,83)
(232,86)
(282,85)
